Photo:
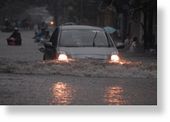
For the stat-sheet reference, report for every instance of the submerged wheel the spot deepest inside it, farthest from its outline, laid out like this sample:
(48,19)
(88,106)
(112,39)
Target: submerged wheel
(44,58)
(49,56)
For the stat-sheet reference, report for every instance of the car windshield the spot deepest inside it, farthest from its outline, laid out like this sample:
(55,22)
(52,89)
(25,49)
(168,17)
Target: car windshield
(84,38)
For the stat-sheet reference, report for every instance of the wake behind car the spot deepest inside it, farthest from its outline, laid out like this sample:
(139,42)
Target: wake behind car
(71,42)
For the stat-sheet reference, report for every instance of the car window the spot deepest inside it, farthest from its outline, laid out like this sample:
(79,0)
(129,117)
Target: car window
(83,38)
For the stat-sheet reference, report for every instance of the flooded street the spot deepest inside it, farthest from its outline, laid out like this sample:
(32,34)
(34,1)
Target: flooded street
(66,90)
(27,52)
(97,60)
(26,80)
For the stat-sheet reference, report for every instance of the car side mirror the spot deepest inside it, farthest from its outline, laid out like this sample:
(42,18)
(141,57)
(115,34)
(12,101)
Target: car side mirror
(48,45)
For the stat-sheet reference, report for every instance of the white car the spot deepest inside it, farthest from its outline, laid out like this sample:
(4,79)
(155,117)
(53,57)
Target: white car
(80,42)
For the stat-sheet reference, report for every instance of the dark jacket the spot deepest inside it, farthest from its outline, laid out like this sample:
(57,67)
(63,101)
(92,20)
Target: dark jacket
(17,36)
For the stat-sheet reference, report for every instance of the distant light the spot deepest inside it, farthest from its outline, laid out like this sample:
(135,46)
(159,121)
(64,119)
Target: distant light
(52,23)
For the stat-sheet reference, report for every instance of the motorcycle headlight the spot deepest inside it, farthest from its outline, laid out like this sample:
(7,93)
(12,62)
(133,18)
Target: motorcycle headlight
(51,23)
(114,58)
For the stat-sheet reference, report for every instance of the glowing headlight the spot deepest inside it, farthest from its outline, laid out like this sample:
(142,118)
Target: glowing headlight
(63,57)
(115,58)
(51,22)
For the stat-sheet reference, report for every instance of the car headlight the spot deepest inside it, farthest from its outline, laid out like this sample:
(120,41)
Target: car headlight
(63,57)
(114,58)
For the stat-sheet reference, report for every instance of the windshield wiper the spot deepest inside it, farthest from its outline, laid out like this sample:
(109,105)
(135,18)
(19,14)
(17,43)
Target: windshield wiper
(94,39)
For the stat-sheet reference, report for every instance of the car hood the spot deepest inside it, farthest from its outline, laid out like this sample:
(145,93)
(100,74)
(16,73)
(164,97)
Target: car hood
(89,52)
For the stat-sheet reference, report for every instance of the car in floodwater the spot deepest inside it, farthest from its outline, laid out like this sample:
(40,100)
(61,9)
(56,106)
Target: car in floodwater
(80,42)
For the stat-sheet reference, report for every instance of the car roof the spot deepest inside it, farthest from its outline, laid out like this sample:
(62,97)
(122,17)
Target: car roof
(80,27)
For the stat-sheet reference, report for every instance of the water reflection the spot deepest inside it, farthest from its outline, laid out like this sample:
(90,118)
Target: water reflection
(114,96)
(62,93)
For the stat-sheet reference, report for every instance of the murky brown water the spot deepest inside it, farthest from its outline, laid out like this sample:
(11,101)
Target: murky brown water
(41,86)
(62,93)
(114,96)
(69,90)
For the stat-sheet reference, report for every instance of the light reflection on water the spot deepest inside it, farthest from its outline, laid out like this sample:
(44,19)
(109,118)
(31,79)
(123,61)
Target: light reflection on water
(114,96)
(62,93)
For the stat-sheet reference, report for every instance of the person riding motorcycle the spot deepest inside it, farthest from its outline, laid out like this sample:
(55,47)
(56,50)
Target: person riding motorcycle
(41,35)
(15,38)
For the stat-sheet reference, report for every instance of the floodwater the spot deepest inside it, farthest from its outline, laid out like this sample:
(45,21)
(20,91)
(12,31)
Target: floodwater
(25,80)
(69,90)
(27,59)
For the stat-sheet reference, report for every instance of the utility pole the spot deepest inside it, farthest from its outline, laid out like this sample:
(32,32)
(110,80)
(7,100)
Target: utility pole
(81,11)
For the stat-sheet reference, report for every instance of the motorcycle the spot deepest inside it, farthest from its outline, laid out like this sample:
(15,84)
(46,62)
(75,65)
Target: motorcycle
(41,37)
